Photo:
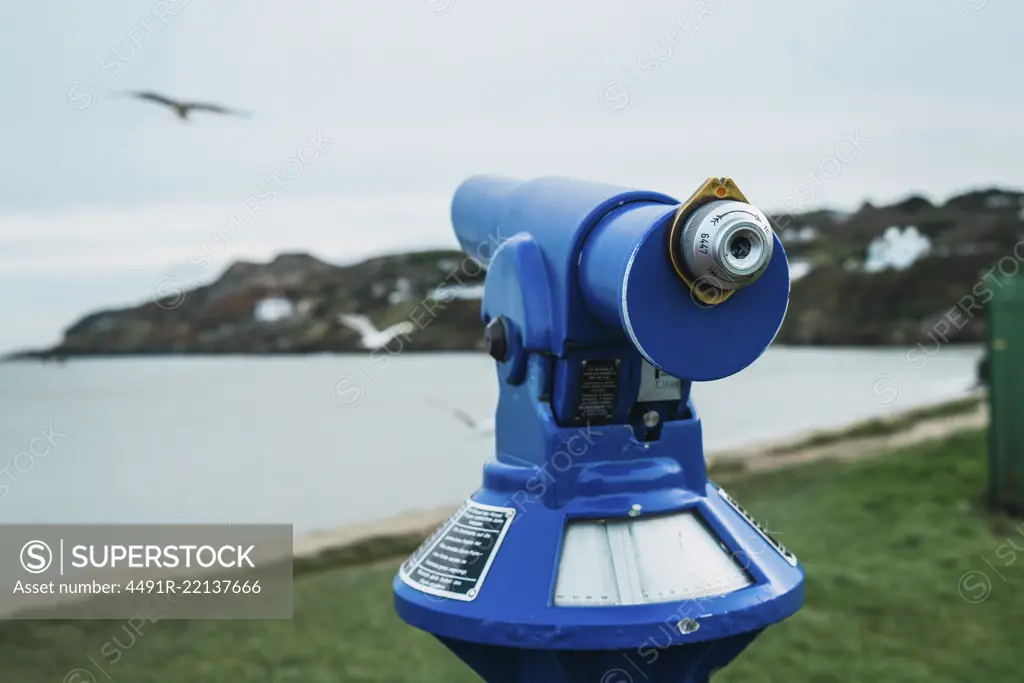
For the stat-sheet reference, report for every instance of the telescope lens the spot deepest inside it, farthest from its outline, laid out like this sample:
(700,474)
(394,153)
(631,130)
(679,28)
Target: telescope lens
(739,247)
(726,243)
(744,250)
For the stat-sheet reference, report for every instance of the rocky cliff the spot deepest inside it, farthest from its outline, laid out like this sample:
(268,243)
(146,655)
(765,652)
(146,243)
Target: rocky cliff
(908,273)
(854,293)
(294,304)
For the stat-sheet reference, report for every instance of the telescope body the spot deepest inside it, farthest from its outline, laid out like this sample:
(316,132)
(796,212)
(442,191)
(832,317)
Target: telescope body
(596,548)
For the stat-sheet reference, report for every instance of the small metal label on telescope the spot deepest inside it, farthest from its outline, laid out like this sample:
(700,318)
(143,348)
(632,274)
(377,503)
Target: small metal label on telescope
(454,561)
(656,385)
(599,392)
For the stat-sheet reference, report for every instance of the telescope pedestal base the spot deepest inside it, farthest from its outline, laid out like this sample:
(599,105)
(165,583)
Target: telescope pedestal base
(647,663)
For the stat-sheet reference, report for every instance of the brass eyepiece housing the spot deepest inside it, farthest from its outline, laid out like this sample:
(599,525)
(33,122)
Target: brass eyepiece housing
(718,242)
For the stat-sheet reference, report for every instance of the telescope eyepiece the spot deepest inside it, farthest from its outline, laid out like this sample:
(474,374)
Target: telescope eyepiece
(726,242)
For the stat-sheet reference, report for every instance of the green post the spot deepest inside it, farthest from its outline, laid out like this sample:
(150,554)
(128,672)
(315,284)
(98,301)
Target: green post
(1006,396)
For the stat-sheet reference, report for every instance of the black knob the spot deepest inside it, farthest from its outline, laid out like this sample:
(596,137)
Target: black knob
(496,339)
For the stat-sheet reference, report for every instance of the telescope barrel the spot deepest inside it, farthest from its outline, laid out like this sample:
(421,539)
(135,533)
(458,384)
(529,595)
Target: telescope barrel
(557,212)
(624,256)
(477,209)
(607,259)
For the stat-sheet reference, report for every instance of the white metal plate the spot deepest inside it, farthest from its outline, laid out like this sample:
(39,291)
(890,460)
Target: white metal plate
(649,560)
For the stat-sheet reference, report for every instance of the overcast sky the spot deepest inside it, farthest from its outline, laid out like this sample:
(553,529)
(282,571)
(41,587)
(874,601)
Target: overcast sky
(101,196)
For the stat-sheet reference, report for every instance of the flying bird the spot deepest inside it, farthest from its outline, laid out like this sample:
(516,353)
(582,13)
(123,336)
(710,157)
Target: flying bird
(371,337)
(183,109)
(481,428)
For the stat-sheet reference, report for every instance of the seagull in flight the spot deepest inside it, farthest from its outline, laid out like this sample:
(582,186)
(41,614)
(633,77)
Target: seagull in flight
(183,109)
(481,428)
(371,337)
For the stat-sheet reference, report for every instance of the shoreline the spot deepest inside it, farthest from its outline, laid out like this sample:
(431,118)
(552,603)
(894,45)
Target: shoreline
(53,355)
(50,357)
(390,539)
(920,426)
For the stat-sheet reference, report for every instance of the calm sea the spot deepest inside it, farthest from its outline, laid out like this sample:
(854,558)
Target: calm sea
(325,441)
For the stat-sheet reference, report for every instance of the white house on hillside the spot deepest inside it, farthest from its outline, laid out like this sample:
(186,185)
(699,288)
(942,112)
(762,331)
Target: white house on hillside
(272,309)
(897,249)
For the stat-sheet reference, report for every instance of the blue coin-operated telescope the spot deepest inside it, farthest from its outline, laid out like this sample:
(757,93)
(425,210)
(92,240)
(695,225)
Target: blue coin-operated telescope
(596,550)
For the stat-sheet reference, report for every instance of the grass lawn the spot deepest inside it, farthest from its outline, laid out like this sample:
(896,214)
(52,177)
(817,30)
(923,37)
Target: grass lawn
(885,543)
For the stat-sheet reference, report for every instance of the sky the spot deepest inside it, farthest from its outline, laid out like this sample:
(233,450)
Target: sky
(367,115)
